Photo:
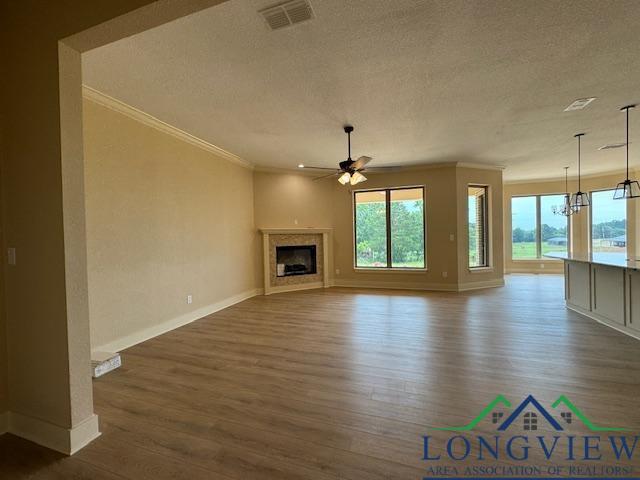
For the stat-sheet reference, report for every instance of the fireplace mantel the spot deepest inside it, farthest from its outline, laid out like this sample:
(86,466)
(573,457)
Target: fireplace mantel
(272,237)
(294,231)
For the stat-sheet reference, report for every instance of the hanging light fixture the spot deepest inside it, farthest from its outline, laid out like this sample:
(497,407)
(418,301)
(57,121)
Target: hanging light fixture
(344,178)
(357,177)
(579,199)
(565,209)
(629,188)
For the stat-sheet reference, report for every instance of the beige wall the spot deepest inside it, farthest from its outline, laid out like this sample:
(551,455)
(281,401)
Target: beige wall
(579,223)
(45,294)
(281,198)
(493,180)
(165,219)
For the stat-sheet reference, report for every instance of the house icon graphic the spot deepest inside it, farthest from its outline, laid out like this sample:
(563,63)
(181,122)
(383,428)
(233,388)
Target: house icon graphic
(531,410)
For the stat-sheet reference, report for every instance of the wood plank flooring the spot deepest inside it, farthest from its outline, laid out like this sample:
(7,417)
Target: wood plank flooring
(339,384)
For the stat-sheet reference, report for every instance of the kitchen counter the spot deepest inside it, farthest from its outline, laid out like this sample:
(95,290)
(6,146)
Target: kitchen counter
(605,287)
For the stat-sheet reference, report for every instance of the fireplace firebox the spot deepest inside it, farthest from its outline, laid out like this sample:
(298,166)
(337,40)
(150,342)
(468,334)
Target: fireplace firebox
(296,260)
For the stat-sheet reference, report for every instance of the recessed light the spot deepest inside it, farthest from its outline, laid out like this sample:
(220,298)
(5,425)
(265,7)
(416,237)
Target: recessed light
(610,146)
(579,104)
(300,165)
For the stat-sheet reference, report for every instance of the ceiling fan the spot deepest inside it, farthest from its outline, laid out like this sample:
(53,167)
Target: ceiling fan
(350,171)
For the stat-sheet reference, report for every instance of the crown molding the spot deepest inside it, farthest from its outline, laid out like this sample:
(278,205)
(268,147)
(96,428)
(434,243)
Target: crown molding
(151,121)
(633,171)
(480,166)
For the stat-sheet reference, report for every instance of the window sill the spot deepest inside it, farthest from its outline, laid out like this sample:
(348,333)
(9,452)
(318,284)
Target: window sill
(537,260)
(480,269)
(391,270)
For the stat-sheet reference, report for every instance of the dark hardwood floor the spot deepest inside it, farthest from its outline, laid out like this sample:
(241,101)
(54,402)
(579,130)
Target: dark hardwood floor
(341,384)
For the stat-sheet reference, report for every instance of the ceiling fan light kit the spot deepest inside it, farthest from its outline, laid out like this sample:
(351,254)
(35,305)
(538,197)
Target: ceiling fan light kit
(344,178)
(350,171)
(629,188)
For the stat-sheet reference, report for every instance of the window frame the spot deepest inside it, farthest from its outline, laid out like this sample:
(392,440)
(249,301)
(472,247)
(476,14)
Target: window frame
(590,219)
(488,257)
(389,267)
(539,256)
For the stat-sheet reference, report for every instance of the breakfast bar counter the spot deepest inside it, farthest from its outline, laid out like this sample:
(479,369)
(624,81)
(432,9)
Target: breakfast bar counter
(604,287)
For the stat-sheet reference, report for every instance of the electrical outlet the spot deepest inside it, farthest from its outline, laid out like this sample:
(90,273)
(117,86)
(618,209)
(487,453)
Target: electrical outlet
(295,221)
(445,274)
(452,237)
(337,271)
(11,256)
(189,299)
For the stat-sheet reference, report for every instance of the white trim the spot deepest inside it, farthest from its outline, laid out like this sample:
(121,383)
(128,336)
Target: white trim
(151,121)
(436,287)
(480,166)
(60,439)
(151,332)
(439,287)
(294,231)
(390,270)
(4,422)
(592,316)
(466,286)
(480,269)
(296,287)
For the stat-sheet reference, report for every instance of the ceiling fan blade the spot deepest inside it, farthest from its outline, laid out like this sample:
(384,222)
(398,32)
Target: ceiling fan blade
(327,176)
(361,162)
(382,169)
(319,168)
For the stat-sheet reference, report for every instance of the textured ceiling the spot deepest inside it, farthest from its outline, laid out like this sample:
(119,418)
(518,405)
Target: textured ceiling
(422,81)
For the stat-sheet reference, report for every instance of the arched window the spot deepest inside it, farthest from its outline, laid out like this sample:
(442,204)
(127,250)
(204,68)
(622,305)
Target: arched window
(530,421)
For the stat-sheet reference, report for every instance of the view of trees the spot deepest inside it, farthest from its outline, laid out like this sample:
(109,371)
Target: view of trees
(611,229)
(407,234)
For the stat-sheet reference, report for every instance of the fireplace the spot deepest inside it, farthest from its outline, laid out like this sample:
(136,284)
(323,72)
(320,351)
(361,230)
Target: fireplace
(295,260)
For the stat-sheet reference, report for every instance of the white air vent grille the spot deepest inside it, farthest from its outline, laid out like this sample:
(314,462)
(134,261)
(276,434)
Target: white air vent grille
(579,104)
(288,13)
(610,146)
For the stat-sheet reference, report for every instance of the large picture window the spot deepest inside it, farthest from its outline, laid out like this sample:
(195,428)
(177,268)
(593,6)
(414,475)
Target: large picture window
(608,223)
(535,229)
(478,225)
(389,228)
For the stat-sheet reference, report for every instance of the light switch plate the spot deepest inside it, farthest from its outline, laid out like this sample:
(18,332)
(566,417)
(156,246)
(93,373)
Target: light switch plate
(11,256)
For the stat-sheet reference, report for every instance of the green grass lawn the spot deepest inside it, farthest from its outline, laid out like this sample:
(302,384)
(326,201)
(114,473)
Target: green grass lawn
(527,250)
(368,263)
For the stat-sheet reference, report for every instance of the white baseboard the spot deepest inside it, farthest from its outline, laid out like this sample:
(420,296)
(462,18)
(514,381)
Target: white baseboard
(4,422)
(464,287)
(436,287)
(60,439)
(612,325)
(440,287)
(164,327)
(296,287)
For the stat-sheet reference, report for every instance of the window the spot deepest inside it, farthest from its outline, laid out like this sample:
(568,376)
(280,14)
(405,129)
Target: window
(535,229)
(608,223)
(554,229)
(389,228)
(530,421)
(478,225)
(524,231)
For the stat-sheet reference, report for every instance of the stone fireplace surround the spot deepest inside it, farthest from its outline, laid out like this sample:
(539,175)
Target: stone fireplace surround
(272,237)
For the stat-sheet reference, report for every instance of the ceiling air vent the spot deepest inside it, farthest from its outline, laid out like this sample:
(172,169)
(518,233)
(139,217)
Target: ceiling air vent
(610,146)
(287,13)
(579,104)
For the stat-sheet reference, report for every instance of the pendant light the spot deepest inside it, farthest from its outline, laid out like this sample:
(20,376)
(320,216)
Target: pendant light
(629,188)
(579,199)
(565,209)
